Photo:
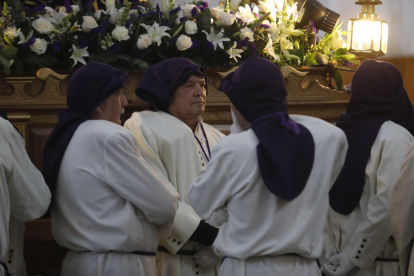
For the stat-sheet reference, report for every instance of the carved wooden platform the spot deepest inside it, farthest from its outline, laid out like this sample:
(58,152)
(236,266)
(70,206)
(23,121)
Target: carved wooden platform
(32,102)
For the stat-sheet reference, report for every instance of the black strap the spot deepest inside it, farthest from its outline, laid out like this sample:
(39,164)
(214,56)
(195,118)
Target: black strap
(6,269)
(387,260)
(201,146)
(179,252)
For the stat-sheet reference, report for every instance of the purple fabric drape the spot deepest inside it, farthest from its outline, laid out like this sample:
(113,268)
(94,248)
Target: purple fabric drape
(88,87)
(160,81)
(378,95)
(286,149)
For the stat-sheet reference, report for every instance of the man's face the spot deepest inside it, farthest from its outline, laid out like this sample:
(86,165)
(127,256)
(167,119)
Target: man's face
(189,100)
(113,107)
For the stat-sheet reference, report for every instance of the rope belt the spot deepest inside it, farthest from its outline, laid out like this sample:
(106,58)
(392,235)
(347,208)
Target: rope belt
(387,260)
(180,252)
(142,253)
(6,269)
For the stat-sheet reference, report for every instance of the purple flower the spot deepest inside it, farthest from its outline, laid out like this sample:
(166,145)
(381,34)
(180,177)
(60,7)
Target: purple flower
(68,6)
(264,26)
(87,5)
(101,29)
(203,6)
(41,7)
(254,49)
(29,43)
(157,8)
(175,10)
(183,18)
(311,27)
(152,12)
(348,64)
(143,53)
(173,42)
(194,12)
(243,43)
(128,24)
(56,46)
(116,48)
(195,42)
(83,43)
(209,46)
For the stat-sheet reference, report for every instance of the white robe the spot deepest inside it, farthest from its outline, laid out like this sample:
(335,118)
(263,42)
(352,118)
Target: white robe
(169,147)
(24,196)
(402,218)
(107,199)
(365,234)
(261,227)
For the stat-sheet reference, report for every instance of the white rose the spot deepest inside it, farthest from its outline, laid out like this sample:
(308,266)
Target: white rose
(144,41)
(120,33)
(12,32)
(75,9)
(246,32)
(337,41)
(215,12)
(39,47)
(88,24)
(190,27)
(227,19)
(187,10)
(113,12)
(98,13)
(43,26)
(183,43)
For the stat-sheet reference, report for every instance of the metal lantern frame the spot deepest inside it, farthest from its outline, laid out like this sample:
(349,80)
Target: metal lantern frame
(368,15)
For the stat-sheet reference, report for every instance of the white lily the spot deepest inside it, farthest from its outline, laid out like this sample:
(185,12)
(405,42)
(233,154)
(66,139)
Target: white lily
(24,39)
(268,49)
(156,32)
(110,4)
(246,14)
(216,38)
(53,16)
(78,55)
(233,52)
(235,4)
(293,10)
(285,44)
(271,6)
(167,6)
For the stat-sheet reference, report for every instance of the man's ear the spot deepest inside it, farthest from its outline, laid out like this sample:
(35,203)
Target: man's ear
(98,109)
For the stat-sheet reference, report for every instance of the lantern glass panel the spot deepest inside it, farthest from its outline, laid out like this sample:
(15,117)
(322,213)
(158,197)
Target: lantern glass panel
(384,37)
(377,36)
(362,35)
(348,42)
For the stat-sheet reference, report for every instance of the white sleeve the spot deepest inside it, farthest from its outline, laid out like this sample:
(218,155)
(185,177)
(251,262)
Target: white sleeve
(29,194)
(402,208)
(372,234)
(186,219)
(131,177)
(210,191)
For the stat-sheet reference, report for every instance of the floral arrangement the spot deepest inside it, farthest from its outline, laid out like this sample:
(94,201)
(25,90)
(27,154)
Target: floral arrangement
(136,35)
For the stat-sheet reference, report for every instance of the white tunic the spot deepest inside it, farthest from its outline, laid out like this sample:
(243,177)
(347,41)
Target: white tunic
(24,195)
(261,226)
(108,199)
(365,234)
(169,147)
(402,217)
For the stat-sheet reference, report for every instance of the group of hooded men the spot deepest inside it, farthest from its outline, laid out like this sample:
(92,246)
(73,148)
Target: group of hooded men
(169,195)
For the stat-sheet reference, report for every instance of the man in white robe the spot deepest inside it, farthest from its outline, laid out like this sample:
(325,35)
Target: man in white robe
(177,145)
(273,179)
(107,202)
(24,196)
(379,124)
(402,219)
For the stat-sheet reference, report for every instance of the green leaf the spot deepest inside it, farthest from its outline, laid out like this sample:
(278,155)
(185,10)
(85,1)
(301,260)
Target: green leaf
(125,57)
(236,34)
(206,19)
(347,57)
(159,53)
(7,39)
(8,51)
(142,64)
(177,29)
(338,81)
(51,59)
(297,47)
(37,62)
(292,57)
(18,64)
(259,21)
(6,63)
(6,70)
(340,51)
